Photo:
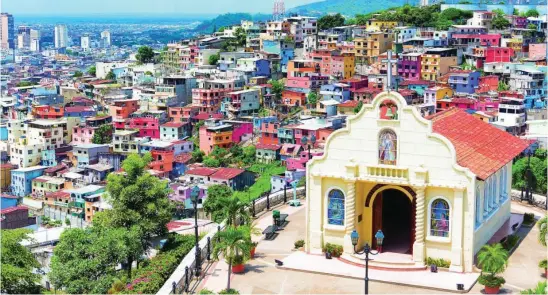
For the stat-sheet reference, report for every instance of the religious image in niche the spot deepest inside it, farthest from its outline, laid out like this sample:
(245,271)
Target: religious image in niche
(387,148)
(388,110)
(335,208)
(439,226)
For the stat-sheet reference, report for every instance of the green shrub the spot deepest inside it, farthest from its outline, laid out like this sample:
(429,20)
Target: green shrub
(335,250)
(439,262)
(510,242)
(528,218)
(206,291)
(299,244)
(229,291)
(240,259)
(491,281)
(543,264)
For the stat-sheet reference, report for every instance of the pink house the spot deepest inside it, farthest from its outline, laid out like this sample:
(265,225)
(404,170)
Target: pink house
(147,126)
(487,105)
(242,130)
(537,50)
(292,164)
(82,134)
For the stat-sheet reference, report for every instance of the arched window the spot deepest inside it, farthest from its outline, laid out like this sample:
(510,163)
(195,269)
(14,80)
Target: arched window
(439,218)
(478,206)
(335,207)
(388,147)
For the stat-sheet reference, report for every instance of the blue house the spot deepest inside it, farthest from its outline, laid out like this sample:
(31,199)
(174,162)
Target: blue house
(7,201)
(78,195)
(464,81)
(80,112)
(21,179)
(89,153)
(180,164)
(3,132)
(258,121)
(262,68)
(419,86)
(286,50)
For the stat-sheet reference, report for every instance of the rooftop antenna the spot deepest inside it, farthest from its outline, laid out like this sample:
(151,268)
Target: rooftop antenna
(279,10)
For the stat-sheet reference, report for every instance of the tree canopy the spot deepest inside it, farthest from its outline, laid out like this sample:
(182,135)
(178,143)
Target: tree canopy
(78,74)
(312,98)
(214,59)
(17,263)
(217,196)
(538,164)
(499,21)
(145,54)
(330,21)
(531,13)
(85,260)
(110,76)
(92,70)
(103,134)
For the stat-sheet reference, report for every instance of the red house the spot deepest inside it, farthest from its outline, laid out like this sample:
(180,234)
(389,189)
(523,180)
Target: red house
(498,54)
(16,217)
(488,83)
(147,126)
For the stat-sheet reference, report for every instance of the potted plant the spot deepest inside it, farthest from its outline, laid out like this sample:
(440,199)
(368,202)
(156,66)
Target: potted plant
(238,265)
(233,245)
(299,244)
(544,264)
(493,260)
(253,247)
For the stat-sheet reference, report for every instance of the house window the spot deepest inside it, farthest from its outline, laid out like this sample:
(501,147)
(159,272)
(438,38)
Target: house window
(388,147)
(335,207)
(439,218)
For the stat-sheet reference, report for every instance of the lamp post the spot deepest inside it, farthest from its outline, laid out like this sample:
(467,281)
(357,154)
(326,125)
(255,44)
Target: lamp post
(366,250)
(307,142)
(194,195)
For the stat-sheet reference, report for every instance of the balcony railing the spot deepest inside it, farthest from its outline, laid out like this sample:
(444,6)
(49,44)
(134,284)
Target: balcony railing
(388,172)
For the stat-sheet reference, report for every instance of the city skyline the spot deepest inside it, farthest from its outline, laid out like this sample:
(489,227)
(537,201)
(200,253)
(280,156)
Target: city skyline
(128,7)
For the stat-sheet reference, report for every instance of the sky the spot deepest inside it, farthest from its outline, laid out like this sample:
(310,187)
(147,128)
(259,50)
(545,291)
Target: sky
(183,7)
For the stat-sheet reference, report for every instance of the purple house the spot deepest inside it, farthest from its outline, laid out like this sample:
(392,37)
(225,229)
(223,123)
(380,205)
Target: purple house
(181,193)
(464,81)
(409,66)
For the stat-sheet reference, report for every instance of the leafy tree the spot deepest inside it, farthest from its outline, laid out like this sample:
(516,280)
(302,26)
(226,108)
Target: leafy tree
(358,107)
(214,59)
(236,151)
(543,229)
(110,76)
(532,13)
(531,27)
(515,11)
(17,263)
(538,173)
(85,260)
(235,210)
(103,134)
(78,74)
(503,86)
(24,84)
(330,21)
(92,70)
(217,196)
(241,37)
(249,154)
(197,156)
(277,89)
(499,21)
(234,244)
(350,22)
(149,73)
(145,54)
(221,29)
(312,98)
(139,201)
(211,162)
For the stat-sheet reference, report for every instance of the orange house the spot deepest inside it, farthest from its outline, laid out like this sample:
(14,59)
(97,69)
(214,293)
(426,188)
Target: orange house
(47,112)
(293,98)
(182,114)
(122,109)
(212,136)
(162,161)
(269,133)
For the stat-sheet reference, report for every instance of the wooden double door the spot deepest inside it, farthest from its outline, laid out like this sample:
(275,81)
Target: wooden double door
(394,214)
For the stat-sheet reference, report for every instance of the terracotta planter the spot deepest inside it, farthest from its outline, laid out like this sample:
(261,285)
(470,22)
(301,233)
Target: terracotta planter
(239,268)
(492,290)
(252,253)
(546,272)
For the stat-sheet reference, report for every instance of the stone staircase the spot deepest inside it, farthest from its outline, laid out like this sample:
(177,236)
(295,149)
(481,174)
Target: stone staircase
(385,261)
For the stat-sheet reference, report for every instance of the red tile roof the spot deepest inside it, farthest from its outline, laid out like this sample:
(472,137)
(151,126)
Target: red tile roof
(202,171)
(349,104)
(183,158)
(406,92)
(174,124)
(176,224)
(59,194)
(13,209)
(205,116)
(227,173)
(272,147)
(480,147)
(79,109)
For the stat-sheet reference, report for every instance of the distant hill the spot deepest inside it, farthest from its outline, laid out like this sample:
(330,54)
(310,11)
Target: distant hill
(347,7)
(229,19)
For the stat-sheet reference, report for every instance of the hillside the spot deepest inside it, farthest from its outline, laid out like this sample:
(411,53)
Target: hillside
(228,19)
(347,7)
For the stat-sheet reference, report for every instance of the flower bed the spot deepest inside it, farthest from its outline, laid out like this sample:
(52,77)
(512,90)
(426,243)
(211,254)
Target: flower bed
(150,278)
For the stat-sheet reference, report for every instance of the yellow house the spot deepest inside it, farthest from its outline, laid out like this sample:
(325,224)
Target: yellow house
(414,178)
(441,92)
(369,46)
(434,66)
(380,25)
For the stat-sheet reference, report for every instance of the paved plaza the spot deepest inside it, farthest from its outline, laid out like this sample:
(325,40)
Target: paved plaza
(262,276)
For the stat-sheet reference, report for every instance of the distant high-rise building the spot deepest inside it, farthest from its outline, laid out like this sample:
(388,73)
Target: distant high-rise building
(61,36)
(85,42)
(7,31)
(105,39)
(34,40)
(23,37)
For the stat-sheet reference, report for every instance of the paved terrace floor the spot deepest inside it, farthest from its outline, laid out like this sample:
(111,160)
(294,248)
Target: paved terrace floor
(263,277)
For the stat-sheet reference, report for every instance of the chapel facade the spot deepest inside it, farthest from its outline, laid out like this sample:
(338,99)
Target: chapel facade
(437,187)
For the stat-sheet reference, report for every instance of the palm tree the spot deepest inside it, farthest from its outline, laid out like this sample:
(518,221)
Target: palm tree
(233,241)
(539,289)
(493,258)
(235,209)
(543,227)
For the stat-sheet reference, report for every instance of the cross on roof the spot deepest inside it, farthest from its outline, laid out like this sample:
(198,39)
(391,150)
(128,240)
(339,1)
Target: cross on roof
(388,61)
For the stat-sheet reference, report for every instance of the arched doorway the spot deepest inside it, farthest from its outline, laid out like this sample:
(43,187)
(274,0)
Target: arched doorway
(393,213)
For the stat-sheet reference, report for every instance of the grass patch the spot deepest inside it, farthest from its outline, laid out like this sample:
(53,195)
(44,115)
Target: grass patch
(262,184)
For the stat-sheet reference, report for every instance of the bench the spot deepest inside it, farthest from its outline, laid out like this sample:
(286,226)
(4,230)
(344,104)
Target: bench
(270,231)
(281,220)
